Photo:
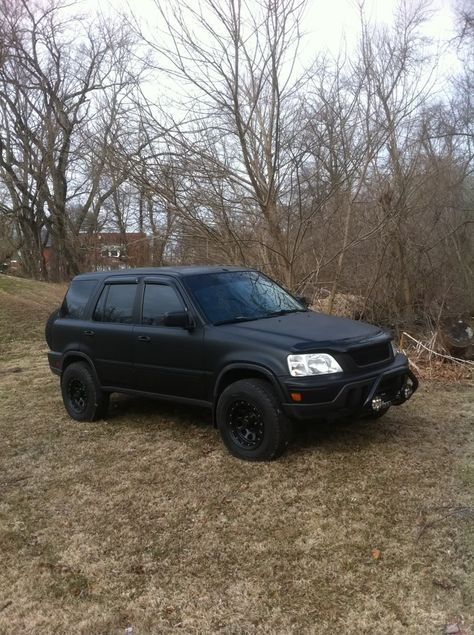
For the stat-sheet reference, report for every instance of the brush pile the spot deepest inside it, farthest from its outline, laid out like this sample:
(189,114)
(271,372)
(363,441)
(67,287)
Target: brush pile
(434,358)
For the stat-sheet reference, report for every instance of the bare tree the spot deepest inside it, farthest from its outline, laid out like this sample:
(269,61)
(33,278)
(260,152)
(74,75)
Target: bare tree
(394,64)
(48,81)
(237,63)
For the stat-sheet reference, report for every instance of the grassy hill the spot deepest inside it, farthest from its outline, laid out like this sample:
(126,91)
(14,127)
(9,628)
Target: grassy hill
(24,308)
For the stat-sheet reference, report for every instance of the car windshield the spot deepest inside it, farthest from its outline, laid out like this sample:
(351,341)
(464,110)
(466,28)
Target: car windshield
(238,296)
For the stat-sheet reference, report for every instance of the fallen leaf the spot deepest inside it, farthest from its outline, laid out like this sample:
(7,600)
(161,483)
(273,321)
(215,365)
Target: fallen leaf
(444,583)
(376,554)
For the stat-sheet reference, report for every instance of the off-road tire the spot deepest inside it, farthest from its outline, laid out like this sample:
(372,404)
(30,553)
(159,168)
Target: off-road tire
(274,428)
(82,396)
(48,329)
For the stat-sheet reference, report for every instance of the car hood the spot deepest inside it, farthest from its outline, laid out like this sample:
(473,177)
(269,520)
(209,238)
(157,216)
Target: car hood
(308,330)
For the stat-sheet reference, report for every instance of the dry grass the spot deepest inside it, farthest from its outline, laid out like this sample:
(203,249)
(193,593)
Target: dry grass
(24,307)
(145,521)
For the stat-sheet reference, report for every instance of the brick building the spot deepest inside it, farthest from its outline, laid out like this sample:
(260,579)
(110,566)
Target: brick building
(104,251)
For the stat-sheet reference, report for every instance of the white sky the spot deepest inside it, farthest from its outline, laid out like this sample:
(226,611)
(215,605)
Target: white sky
(331,19)
(332,26)
(327,21)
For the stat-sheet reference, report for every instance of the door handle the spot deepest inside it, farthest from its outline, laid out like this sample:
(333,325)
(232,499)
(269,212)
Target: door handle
(87,332)
(144,338)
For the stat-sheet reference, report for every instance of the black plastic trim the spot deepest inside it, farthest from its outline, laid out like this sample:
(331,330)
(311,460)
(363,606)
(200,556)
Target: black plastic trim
(153,395)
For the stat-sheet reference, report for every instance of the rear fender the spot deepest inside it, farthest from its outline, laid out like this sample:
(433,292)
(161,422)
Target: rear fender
(75,356)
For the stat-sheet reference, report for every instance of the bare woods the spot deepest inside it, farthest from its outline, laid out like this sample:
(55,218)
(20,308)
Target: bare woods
(215,131)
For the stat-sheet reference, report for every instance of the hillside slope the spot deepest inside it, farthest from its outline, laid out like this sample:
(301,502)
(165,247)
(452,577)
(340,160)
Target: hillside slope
(24,308)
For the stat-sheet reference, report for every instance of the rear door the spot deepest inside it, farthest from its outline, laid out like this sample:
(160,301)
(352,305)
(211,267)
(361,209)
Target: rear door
(168,359)
(108,334)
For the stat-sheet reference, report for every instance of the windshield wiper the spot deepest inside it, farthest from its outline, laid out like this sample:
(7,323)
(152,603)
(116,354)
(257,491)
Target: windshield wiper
(285,312)
(238,318)
(247,318)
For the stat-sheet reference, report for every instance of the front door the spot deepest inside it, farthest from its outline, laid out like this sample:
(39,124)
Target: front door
(168,360)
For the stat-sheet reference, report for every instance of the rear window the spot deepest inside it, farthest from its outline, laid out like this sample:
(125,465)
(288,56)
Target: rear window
(77,297)
(116,303)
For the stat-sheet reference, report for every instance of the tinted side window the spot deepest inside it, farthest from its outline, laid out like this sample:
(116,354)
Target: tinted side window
(159,299)
(76,298)
(116,303)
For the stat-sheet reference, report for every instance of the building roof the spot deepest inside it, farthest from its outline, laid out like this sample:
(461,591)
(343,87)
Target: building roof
(113,236)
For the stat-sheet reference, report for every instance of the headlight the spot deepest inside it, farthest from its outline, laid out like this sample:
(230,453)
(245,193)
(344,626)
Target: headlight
(312,364)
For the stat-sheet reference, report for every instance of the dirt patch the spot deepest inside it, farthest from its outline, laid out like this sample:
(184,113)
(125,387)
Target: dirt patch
(144,520)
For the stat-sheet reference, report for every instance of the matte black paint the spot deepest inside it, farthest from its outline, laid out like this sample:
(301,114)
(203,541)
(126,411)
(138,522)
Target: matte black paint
(191,364)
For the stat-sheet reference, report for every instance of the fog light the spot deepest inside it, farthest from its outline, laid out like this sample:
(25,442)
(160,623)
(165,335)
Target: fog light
(377,404)
(407,391)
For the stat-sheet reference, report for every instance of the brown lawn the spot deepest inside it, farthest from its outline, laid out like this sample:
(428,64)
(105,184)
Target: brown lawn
(145,521)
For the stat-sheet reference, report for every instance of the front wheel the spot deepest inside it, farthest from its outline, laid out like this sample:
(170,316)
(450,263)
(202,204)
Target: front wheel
(251,422)
(82,396)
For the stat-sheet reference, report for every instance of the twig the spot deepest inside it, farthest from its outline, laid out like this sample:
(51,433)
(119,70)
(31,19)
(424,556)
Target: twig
(415,366)
(5,605)
(460,510)
(450,357)
(7,371)
(465,512)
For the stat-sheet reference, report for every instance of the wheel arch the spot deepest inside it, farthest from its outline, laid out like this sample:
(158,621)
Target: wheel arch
(237,371)
(75,356)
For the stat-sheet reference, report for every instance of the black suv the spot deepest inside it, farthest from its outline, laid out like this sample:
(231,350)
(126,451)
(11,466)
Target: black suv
(227,338)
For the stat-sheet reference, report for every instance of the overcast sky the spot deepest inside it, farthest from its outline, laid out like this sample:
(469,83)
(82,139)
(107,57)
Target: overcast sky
(332,26)
(336,22)
(333,19)
(328,20)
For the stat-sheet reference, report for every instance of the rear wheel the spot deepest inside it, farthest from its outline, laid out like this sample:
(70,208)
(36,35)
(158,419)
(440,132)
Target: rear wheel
(82,396)
(251,422)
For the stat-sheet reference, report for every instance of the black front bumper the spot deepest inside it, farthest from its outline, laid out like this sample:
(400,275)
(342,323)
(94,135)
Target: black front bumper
(333,396)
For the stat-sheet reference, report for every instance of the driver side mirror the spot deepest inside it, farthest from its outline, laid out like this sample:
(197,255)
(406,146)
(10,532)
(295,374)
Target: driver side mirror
(178,318)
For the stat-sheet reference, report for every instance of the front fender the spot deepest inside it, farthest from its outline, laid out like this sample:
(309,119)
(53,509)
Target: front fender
(241,370)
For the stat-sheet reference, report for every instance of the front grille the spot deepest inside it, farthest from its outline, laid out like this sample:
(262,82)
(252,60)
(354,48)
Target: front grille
(371,354)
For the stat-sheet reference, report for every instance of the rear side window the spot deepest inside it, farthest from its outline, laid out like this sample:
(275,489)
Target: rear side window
(76,299)
(116,303)
(159,299)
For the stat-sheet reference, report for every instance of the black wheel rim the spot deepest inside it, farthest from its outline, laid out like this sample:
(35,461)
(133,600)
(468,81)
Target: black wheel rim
(246,424)
(77,394)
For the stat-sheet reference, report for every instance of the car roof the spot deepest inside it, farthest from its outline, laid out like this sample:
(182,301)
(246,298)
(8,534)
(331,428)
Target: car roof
(177,272)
